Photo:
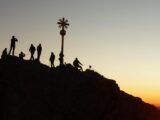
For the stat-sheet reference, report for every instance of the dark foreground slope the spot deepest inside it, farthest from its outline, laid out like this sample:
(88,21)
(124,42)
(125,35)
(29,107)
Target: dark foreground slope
(32,91)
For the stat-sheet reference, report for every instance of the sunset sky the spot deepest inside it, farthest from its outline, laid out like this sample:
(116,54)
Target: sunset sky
(119,38)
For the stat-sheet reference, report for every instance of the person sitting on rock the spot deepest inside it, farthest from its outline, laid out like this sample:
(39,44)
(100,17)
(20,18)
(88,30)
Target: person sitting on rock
(21,56)
(4,54)
(77,64)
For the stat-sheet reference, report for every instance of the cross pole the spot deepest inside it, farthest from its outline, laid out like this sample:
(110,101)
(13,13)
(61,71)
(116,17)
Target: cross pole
(63,23)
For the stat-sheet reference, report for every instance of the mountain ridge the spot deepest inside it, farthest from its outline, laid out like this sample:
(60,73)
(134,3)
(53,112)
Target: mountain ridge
(31,90)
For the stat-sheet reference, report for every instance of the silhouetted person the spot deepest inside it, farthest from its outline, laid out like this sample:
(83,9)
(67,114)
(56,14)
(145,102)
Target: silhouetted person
(77,64)
(4,54)
(21,56)
(39,50)
(51,59)
(61,58)
(32,51)
(13,45)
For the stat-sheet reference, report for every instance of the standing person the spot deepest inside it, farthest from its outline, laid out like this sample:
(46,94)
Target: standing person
(61,58)
(77,64)
(51,59)
(13,45)
(32,51)
(39,50)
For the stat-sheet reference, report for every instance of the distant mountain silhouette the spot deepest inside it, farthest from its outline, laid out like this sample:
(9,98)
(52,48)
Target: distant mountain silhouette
(30,90)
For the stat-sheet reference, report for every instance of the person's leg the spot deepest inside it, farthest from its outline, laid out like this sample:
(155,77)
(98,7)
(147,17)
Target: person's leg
(39,56)
(31,56)
(80,68)
(51,64)
(10,50)
(13,50)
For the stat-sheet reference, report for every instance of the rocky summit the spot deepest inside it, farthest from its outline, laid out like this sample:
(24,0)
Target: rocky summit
(30,90)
